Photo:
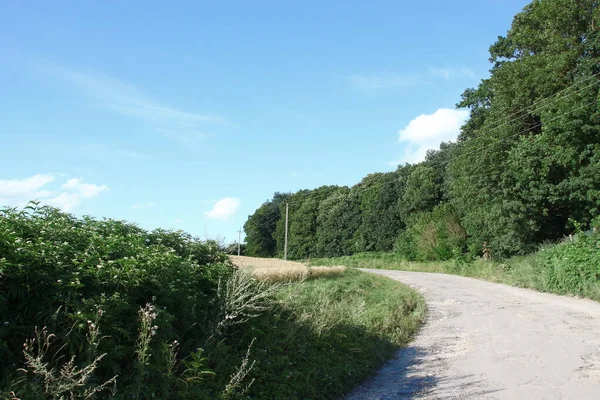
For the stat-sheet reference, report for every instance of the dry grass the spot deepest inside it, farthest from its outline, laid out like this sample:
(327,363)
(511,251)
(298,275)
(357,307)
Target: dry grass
(276,270)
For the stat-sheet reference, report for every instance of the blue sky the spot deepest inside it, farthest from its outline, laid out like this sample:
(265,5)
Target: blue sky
(189,115)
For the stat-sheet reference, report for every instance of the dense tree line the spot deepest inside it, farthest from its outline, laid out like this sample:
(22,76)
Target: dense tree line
(524,170)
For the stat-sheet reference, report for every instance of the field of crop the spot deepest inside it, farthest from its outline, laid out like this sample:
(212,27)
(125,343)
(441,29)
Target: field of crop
(276,270)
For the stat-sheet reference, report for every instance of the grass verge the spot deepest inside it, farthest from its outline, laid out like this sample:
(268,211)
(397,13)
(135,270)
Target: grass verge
(568,268)
(329,334)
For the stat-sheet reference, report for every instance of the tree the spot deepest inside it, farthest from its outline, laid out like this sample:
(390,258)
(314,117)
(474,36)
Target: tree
(303,224)
(338,219)
(261,225)
(525,158)
(380,221)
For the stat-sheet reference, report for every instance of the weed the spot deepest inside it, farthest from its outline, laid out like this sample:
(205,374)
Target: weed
(66,382)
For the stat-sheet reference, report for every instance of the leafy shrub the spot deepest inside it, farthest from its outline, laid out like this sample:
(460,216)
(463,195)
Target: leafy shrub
(61,272)
(573,266)
(430,236)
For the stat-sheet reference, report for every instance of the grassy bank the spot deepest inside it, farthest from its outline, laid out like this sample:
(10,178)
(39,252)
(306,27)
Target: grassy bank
(569,268)
(328,334)
(104,309)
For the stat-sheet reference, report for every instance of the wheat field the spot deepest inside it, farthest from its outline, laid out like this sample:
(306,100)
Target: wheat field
(274,269)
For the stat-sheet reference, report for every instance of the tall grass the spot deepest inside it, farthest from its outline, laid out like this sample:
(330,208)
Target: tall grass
(328,334)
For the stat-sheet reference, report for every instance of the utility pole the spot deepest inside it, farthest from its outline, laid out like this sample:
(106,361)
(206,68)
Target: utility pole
(239,239)
(286,232)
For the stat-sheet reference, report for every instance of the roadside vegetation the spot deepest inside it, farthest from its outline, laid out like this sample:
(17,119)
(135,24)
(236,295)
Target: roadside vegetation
(103,309)
(571,267)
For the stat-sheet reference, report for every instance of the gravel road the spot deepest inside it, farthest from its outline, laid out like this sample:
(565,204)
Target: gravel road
(489,341)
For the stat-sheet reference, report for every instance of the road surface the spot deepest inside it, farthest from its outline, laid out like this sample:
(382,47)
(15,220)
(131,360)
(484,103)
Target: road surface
(489,341)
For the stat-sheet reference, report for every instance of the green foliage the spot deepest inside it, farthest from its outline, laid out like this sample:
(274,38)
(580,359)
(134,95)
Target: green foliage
(435,235)
(573,266)
(303,223)
(380,220)
(338,219)
(62,273)
(232,249)
(260,228)
(422,192)
(525,163)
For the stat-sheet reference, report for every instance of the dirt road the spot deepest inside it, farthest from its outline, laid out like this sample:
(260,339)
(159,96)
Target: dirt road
(489,341)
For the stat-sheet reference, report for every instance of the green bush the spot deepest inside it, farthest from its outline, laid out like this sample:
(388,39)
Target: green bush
(573,266)
(432,236)
(65,274)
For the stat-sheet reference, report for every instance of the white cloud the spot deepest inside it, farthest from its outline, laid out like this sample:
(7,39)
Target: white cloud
(140,205)
(84,189)
(427,131)
(451,73)
(224,209)
(65,201)
(17,192)
(376,83)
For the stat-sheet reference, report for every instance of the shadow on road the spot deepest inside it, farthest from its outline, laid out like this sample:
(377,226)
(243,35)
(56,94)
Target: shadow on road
(410,375)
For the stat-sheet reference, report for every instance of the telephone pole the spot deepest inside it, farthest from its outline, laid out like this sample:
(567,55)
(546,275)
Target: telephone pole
(286,232)
(239,239)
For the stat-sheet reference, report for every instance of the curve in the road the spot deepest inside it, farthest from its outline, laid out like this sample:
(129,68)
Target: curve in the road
(485,340)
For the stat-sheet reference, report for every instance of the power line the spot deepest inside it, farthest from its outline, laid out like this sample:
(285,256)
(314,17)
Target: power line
(483,133)
(535,103)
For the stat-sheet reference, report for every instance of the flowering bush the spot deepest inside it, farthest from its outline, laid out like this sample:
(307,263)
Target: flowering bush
(105,287)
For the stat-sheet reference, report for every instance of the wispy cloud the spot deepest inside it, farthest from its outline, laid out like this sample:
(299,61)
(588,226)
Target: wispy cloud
(224,209)
(126,99)
(452,72)
(377,83)
(184,137)
(427,131)
(17,192)
(141,205)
